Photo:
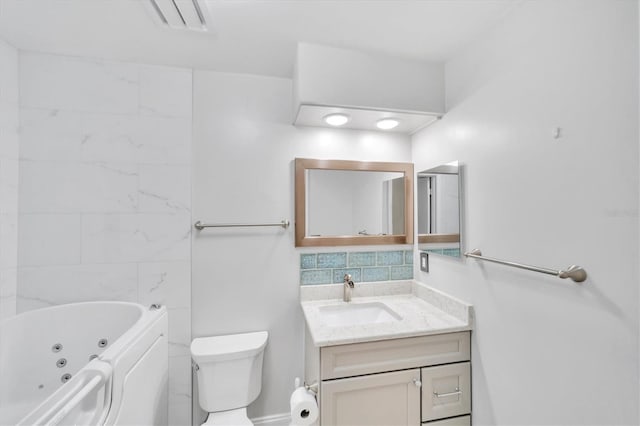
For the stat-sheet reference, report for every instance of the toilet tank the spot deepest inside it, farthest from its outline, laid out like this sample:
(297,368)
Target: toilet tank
(229,369)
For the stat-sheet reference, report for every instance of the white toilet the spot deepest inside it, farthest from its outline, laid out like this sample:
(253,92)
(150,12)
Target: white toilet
(229,370)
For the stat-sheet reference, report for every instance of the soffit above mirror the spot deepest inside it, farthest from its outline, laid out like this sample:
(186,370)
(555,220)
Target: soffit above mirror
(365,88)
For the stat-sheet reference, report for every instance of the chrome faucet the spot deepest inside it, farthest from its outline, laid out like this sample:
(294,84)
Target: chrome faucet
(348,288)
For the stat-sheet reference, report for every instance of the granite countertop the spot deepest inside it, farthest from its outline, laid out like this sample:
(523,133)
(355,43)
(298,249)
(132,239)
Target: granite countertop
(423,310)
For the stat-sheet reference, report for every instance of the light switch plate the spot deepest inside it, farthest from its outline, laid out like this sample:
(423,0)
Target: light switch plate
(424,261)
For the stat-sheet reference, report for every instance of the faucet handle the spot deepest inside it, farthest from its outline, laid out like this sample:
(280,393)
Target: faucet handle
(348,281)
(347,288)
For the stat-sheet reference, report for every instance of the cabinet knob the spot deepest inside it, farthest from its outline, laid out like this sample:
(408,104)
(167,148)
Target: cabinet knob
(417,382)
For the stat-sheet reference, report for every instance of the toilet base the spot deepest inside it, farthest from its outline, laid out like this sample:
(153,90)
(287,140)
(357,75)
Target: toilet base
(237,417)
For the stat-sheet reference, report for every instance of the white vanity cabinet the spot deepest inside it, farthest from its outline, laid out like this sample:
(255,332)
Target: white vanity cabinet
(407,381)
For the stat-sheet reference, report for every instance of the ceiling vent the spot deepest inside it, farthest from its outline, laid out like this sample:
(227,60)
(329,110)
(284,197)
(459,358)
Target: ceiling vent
(182,14)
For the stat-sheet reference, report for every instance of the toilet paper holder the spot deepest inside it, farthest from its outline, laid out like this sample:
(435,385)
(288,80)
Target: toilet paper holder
(313,387)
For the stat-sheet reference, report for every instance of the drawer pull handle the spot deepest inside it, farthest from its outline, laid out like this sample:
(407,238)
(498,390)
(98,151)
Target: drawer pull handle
(444,395)
(417,382)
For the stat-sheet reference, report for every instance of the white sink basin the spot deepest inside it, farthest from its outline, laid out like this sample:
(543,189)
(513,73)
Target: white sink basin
(357,314)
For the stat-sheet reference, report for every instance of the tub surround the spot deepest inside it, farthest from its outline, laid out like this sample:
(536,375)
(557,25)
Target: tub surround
(104,206)
(424,311)
(9,107)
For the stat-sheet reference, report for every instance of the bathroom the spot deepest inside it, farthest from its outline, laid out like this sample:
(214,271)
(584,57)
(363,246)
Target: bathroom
(118,134)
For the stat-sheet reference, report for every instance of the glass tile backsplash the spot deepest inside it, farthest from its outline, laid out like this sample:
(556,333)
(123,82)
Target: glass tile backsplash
(455,252)
(364,266)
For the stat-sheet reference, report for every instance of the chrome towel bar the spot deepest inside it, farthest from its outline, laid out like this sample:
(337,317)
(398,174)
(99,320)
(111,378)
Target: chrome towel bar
(576,273)
(200,226)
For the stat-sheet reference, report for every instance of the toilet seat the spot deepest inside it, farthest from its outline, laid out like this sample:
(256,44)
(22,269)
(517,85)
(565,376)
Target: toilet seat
(237,417)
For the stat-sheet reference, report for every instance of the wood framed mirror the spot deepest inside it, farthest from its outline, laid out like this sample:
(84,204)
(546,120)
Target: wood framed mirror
(340,203)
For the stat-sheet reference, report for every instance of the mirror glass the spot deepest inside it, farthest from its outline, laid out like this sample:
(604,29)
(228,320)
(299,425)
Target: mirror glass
(349,202)
(439,208)
(342,202)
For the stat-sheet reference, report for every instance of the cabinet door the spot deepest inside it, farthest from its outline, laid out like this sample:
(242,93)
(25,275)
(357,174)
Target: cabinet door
(374,400)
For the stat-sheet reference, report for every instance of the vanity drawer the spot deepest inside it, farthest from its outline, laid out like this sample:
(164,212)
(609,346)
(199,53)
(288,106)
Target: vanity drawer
(446,391)
(396,354)
(455,421)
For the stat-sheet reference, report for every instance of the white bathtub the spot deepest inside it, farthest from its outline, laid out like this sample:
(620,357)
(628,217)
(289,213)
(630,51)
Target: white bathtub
(116,354)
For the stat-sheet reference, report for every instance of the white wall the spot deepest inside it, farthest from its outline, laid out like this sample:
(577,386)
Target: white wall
(105,208)
(8,178)
(547,351)
(248,279)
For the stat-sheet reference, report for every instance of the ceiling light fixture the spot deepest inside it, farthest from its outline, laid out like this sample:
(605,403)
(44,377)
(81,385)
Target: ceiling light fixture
(336,120)
(387,124)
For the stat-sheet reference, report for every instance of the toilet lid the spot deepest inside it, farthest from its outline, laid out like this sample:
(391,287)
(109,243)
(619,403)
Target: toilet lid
(219,348)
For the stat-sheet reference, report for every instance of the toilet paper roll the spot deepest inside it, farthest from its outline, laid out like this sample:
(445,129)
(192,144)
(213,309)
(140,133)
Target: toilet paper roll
(304,407)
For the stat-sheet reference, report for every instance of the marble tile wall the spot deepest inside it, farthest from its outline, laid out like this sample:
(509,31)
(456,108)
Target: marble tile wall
(365,266)
(105,193)
(9,110)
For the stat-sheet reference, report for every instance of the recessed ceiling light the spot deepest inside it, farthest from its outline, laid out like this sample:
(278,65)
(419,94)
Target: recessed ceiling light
(387,123)
(336,119)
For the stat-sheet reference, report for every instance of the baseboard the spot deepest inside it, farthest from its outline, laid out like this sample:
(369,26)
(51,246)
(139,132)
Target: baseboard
(283,419)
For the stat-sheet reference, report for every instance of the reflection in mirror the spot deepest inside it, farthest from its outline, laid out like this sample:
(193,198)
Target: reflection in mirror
(342,202)
(439,210)
(349,202)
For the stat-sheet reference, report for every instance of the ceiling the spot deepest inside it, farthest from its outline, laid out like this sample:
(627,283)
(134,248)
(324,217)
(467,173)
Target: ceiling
(248,36)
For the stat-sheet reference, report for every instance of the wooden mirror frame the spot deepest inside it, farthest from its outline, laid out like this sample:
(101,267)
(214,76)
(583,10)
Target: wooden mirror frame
(438,238)
(304,164)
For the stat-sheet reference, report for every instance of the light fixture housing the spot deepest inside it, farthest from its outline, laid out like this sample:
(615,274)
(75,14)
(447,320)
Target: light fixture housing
(387,123)
(409,122)
(336,119)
